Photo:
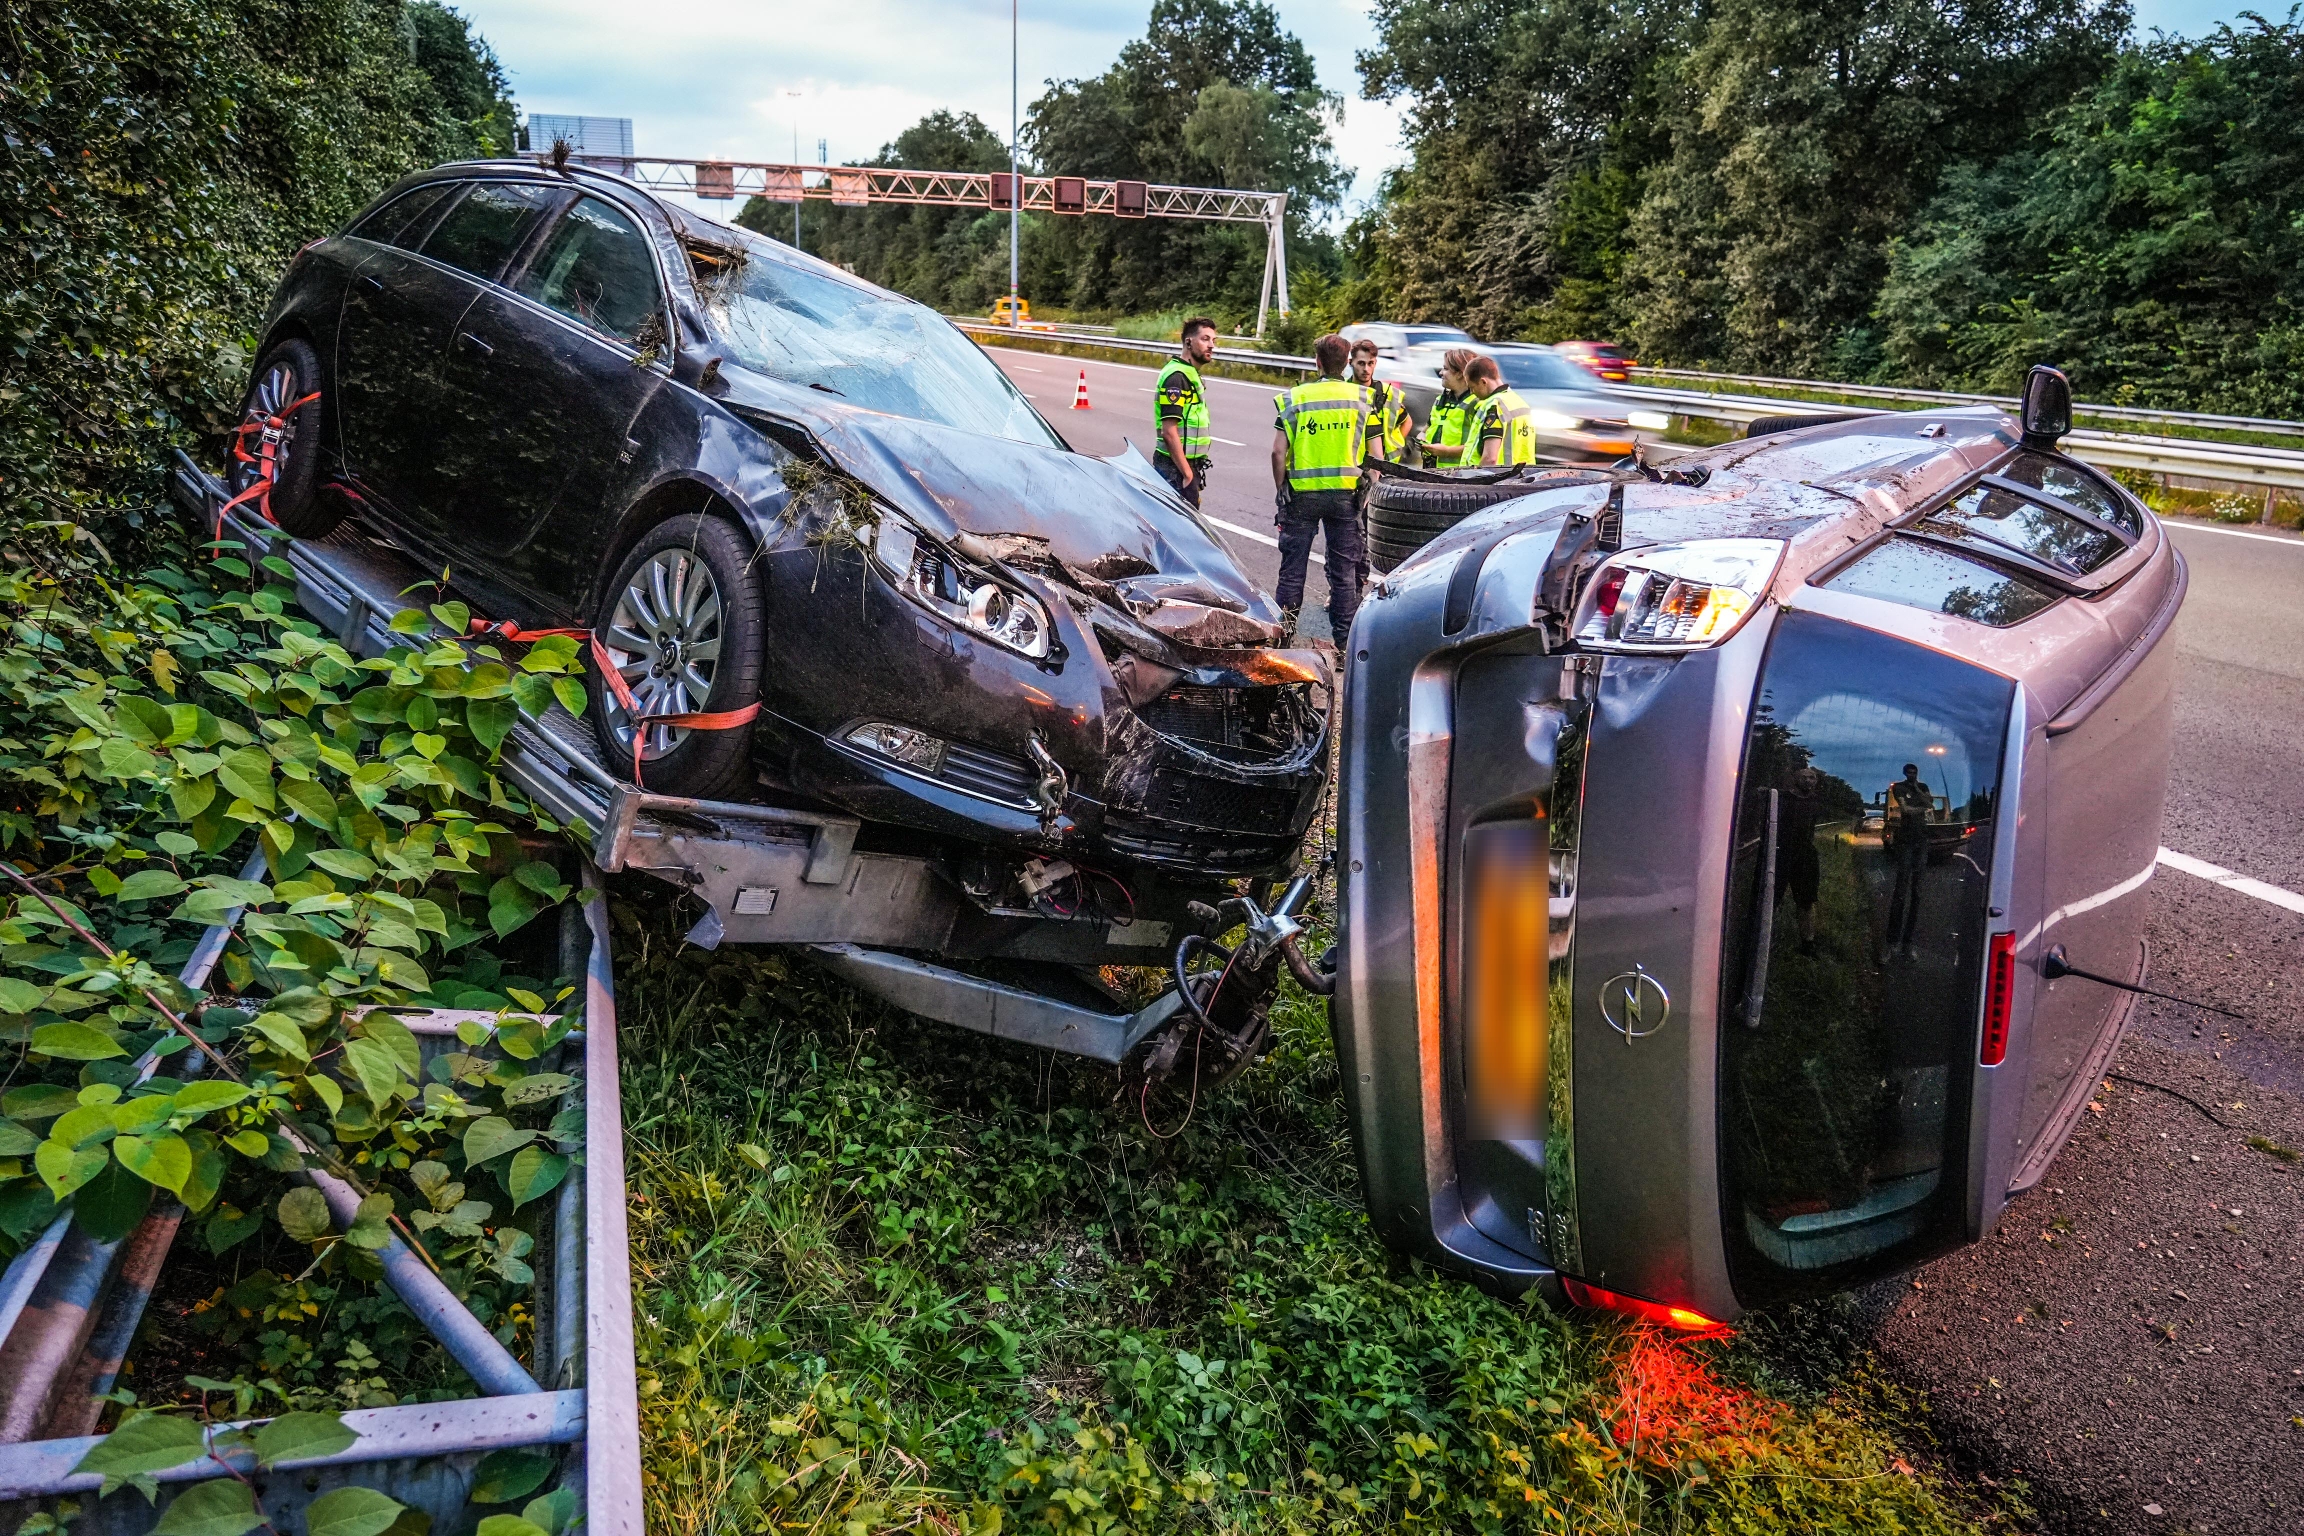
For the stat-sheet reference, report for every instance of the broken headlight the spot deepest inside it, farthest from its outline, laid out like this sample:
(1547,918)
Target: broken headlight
(960,591)
(1675,597)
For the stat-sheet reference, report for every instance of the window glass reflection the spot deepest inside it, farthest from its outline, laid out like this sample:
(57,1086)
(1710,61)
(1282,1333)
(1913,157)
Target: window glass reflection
(1937,580)
(1858,921)
(2068,482)
(2056,538)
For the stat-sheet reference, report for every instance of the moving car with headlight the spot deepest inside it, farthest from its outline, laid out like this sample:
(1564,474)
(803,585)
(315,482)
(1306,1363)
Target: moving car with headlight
(1741,864)
(1020,701)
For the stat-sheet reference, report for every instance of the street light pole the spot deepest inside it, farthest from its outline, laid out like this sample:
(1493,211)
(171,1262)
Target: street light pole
(1015,163)
(795,96)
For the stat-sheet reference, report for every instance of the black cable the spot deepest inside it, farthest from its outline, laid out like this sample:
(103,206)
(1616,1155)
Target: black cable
(2175,1093)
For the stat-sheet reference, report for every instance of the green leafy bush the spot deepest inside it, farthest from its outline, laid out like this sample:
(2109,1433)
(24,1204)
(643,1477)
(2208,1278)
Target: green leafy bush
(153,731)
(161,160)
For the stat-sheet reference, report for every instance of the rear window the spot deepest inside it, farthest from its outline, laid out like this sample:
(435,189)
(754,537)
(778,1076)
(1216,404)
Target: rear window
(868,348)
(1853,973)
(484,229)
(1936,580)
(1542,370)
(2036,530)
(403,220)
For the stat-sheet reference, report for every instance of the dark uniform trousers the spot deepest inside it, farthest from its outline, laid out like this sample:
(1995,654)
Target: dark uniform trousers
(1175,477)
(1335,516)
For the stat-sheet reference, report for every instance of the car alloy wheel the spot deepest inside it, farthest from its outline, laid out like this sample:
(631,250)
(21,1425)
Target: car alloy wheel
(664,640)
(287,376)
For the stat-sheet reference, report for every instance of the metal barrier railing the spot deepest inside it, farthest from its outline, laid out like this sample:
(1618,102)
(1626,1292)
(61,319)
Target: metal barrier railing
(2258,466)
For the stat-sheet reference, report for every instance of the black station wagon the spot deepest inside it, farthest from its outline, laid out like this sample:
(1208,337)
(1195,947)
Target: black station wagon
(759,481)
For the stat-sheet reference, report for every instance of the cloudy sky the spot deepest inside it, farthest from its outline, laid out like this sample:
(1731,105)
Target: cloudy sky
(735,78)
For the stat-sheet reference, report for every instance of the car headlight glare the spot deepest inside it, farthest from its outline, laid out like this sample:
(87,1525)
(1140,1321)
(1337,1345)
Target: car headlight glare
(954,589)
(1676,597)
(912,748)
(1553,421)
(1649,421)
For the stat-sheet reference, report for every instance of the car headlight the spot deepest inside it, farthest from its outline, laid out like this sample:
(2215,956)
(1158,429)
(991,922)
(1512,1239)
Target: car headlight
(958,590)
(1675,597)
(1649,421)
(1553,421)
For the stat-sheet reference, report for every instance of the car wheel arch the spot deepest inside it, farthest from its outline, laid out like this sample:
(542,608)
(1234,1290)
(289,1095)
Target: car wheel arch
(678,496)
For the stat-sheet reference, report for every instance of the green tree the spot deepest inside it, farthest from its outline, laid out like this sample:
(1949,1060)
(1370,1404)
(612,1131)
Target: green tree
(465,75)
(1805,135)
(1531,123)
(1214,88)
(952,258)
(161,160)
(2152,239)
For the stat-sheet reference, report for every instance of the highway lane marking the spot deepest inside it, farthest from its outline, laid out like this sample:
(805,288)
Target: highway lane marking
(1246,533)
(1227,442)
(2217,874)
(2234,533)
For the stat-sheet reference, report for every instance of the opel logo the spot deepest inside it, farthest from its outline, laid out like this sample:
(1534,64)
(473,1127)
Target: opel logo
(1634,1003)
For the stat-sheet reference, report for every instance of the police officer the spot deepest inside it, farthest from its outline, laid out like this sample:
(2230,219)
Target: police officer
(1318,443)
(1445,442)
(1180,412)
(1391,436)
(1502,427)
(1391,430)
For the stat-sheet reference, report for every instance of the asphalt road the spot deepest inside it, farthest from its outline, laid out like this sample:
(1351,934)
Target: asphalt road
(2128,1346)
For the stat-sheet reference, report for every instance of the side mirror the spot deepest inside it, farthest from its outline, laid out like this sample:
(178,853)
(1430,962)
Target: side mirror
(2047,409)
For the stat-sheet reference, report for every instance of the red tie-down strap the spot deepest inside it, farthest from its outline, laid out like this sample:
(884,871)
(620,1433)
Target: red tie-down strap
(266,460)
(691,720)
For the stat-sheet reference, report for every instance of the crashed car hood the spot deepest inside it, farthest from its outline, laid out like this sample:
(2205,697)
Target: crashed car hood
(1098,519)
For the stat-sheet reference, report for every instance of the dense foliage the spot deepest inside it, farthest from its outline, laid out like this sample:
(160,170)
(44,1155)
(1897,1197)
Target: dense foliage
(1216,93)
(159,162)
(175,748)
(1893,192)
(897,1277)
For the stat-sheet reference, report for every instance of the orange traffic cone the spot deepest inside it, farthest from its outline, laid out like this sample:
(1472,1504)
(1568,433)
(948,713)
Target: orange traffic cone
(1080,395)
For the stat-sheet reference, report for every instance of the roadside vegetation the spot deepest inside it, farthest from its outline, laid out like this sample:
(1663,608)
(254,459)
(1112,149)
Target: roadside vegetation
(892,1275)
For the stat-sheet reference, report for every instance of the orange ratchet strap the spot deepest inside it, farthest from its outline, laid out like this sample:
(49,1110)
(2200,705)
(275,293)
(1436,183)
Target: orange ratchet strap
(690,720)
(266,460)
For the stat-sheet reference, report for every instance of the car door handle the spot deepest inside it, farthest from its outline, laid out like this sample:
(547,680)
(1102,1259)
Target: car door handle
(373,282)
(472,343)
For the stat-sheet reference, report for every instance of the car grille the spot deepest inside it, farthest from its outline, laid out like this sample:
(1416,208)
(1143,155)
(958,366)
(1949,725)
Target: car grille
(1219,805)
(1241,725)
(989,774)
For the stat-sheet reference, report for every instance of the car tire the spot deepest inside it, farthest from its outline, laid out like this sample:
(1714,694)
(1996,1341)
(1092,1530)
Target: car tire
(1406,515)
(289,372)
(653,622)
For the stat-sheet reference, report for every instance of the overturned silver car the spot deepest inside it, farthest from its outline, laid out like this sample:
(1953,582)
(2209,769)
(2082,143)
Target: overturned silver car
(1742,864)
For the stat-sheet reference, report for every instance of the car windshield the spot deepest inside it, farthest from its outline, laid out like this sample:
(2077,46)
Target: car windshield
(869,348)
(1542,370)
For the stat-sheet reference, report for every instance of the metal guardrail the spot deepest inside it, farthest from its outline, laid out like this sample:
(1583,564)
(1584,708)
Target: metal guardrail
(2248,464)
(2140,414)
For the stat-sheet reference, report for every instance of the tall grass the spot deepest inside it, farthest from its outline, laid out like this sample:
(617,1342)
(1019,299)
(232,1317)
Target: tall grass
(894,1276)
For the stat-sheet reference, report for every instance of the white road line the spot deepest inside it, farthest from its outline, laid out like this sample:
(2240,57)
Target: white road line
(1246,533)
(1227,442)
(2279,896)
(2233,533)
(1020,368)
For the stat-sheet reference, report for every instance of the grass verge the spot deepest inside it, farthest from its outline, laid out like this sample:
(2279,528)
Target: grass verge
(893,1276)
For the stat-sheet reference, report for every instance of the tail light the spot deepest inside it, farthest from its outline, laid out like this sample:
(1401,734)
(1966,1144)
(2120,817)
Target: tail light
(1999,998)
(1633,1306)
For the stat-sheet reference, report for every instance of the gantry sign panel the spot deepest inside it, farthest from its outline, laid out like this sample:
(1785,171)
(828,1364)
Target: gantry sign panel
(857,186)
